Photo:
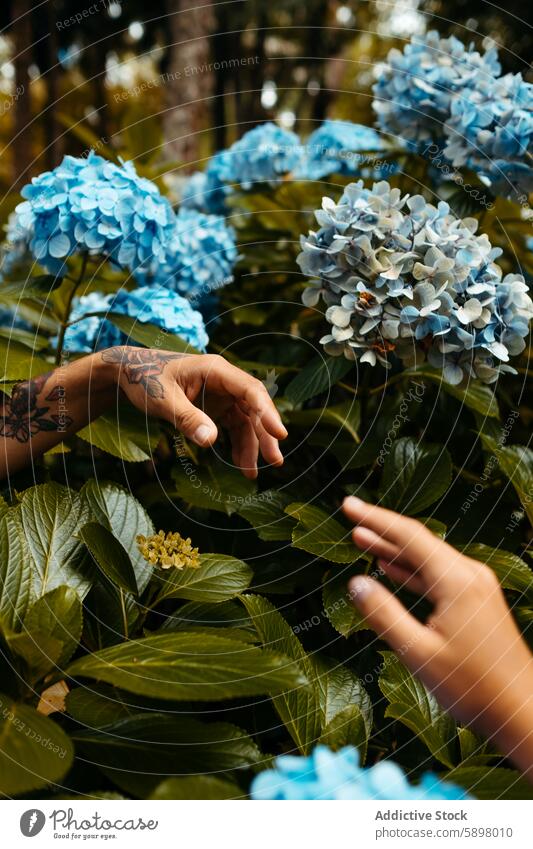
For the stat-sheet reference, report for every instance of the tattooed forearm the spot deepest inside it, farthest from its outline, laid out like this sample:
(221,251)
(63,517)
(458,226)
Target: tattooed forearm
(26,414)
(141,365)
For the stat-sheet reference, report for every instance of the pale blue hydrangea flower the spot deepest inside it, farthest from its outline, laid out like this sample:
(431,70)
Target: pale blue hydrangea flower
(263,155)
(415,86)
(153,305)
(202,256)
(92,205)
(337,147)
(490,130)
(401,277)
(338,775)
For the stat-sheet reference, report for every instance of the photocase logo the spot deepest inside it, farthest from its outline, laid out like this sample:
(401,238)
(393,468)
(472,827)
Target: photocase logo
(32,822)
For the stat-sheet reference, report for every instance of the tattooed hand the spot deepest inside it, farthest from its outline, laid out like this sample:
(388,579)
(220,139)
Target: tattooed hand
(26,413)
(195,391)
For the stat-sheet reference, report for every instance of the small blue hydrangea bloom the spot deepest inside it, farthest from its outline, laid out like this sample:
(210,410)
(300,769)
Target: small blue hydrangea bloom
(152,305)
(335,148)
(338,775)
(263,155)
(490,130)
(92,205)
(202,256)
(415,86)
(401,277)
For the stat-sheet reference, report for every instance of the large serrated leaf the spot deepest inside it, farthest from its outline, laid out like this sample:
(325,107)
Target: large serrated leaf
(34,752)
(338,607)
(125,517)
(52,515)
(417,708)
(516,462)
(110,556)
(194,666)
(57,614)
(318,376)
(128,435)
(297,708)
(15,571)
(346,416)
(320,534)
(266,513)
(217,487)
(414,476)
(218,578)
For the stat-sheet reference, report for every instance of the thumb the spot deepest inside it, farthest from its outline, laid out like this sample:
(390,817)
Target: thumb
(190,421)
(387,616)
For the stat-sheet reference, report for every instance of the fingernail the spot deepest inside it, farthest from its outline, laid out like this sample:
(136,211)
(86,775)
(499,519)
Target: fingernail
(361,587)
(202,434)
(352,501)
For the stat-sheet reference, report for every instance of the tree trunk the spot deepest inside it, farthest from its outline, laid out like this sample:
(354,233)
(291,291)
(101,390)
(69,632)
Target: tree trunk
(189,82)
(21,145)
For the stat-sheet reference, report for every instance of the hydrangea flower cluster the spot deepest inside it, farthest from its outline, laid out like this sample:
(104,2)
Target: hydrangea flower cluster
(334,148)
(153,305)
(415,87)
(490,130)
(206,191)
(201,257)
(96,206)
(338,775)
(169,551)
(401,276)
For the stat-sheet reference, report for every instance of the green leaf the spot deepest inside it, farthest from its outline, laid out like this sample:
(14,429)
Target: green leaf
(340,611)
(346,415)
(218,578)
(11,292)
(320,534)
(491,782)
(417,708)
(512,572)
(52,515)
(318,376)
(347,728)
(96,706)
(125,517)
(34,750)
(197,787)
(110,556)
(128,435)
(217,487)
(414,476)
(138,752)
(191,666)
(150,335)
(57,614)
(19,362)
(516,462)
(266,513)
(297,708)
(39,651)
(15,571)
(475,395)
(225,614)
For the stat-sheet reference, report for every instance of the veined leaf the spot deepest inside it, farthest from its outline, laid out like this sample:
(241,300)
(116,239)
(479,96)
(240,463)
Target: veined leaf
(297,708)
(218,578)
(345,416)
(318,376)
(193,666)
(417,708)
(343,615)
(57,614)
(52,515)
(15,571)
(320,534)
(34,751)
(216,487)
(128,436)
(266,513)
(110,556)
(125,517)
(516,462)
(491,782)
(414,475)
(347,728)
(474,395)
(512,572)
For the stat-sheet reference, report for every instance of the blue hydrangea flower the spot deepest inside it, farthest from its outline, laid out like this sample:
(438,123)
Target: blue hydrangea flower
(202,257)
(335,148)
(490,130)
(152,305)
(338,775)
(401,277)
(263,155)
(415,86)
(96,206)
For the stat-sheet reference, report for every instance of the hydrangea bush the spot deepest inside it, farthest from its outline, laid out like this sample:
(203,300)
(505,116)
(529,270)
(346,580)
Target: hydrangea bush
(259,678)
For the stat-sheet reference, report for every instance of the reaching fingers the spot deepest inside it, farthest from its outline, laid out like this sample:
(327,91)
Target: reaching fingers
(188,419)
(249,392)
(370,541)
(392,622)
(244,441)
(268,445)
(409,580)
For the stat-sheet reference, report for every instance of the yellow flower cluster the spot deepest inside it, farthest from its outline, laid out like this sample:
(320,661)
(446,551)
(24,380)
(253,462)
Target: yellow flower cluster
(169,551)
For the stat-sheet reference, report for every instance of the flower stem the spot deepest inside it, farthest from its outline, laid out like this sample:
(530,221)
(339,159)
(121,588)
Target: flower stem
(70,298)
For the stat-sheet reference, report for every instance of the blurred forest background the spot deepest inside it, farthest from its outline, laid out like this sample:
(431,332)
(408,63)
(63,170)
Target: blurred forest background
(169,82)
